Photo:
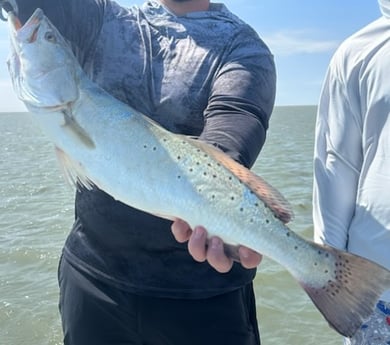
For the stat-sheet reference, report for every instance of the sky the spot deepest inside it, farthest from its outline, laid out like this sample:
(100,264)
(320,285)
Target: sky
(302,34)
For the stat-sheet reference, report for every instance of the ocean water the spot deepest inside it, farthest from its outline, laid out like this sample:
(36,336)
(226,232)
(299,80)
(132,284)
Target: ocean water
(36,212)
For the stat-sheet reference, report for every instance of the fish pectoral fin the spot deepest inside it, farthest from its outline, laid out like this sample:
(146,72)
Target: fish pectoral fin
(348,299)
(73,171)
(74,128)
(262,189)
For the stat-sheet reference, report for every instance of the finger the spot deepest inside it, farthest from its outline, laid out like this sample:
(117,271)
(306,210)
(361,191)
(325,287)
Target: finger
(249,258)
(197,244)
(181,230)
(231,251)
(217,257)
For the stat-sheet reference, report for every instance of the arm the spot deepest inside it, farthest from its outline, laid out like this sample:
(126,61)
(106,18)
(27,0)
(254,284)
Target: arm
(337,158)
(241,102)
(237,117)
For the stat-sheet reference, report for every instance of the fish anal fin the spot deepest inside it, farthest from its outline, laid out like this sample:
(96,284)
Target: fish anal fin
(73,171)
(262,189)
(348,299)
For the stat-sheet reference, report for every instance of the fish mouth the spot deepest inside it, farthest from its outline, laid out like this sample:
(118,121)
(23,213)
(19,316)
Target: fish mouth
(19,35)
(14,21)
(28,32)
(22,34)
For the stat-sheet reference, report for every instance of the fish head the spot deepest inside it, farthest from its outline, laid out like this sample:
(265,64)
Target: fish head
(42,66)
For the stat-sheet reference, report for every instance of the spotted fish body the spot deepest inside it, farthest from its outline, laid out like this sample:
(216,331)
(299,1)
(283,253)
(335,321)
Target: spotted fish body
(105,143)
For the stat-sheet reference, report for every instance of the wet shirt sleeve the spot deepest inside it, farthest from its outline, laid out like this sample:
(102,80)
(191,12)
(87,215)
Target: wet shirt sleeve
(241,100)
(79,21)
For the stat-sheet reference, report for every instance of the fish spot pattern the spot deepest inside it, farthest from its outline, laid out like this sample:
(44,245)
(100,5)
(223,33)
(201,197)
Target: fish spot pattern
(342,274)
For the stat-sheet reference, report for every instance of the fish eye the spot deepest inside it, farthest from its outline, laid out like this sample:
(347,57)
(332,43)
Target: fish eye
(49,36)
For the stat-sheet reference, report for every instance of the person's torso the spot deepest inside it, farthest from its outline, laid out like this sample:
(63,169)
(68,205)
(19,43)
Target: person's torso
(162,66)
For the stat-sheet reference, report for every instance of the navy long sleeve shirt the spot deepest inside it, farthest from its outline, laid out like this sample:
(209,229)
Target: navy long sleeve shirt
(205,74)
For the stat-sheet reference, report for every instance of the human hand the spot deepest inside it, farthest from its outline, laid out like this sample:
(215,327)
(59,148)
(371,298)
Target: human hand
(219,255)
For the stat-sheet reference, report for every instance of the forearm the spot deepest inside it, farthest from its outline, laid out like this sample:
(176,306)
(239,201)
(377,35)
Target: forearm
(237,132)
(334,199)
(337,162)
(242,100)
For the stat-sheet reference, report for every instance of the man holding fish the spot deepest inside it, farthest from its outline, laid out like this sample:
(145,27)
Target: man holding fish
(198,70)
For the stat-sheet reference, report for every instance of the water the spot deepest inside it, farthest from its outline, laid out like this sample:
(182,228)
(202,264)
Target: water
(36,212)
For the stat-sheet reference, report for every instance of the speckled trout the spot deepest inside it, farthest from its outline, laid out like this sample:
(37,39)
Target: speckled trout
(104,143)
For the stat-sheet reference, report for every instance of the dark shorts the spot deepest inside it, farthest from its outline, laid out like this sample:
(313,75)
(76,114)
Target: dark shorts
(94,313)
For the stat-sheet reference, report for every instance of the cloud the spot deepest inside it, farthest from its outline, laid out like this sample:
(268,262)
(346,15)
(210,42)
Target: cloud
(294,42)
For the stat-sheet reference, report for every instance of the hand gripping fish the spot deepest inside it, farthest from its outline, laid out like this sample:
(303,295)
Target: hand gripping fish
(103,142)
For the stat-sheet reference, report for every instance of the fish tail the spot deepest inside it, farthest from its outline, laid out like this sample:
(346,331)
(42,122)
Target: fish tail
(348,298)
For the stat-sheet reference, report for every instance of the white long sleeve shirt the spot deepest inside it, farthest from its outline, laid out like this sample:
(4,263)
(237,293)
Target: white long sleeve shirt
(351,200)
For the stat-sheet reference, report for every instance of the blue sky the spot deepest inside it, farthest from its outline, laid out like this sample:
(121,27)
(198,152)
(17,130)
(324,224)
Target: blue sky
(302,34)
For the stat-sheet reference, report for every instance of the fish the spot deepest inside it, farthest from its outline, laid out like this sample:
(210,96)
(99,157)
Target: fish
(104,143)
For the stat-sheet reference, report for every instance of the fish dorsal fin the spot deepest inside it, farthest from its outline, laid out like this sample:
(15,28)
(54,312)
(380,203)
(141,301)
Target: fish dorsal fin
(73,171)
(262,189)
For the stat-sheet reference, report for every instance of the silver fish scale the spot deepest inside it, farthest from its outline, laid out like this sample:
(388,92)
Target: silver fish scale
(223,197)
